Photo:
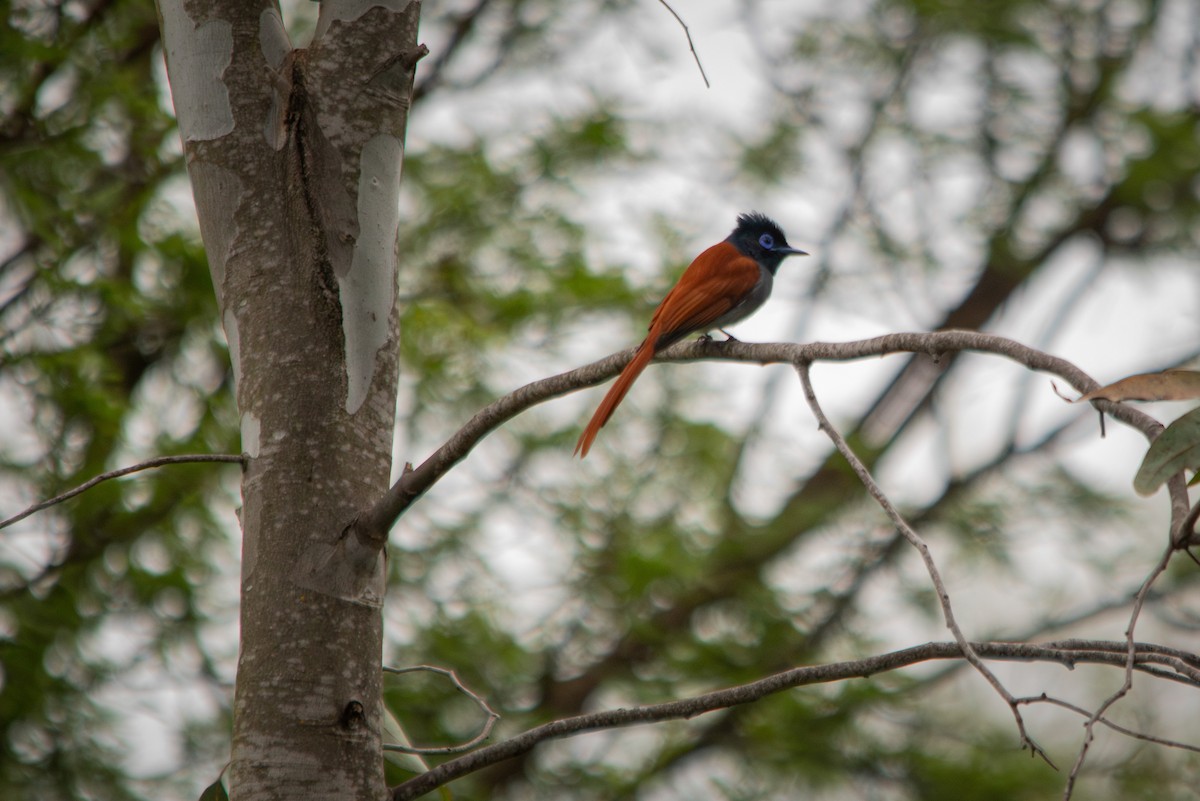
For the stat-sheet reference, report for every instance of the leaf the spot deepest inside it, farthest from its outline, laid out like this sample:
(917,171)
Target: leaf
(1169,385)
(411,763)
(215,792)
(1177,448)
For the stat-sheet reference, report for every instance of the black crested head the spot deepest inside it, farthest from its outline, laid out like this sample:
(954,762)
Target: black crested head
(756,219)
(760,238)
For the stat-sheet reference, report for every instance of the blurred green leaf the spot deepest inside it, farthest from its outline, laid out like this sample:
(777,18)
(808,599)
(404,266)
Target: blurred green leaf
(1176,449)
(215,792)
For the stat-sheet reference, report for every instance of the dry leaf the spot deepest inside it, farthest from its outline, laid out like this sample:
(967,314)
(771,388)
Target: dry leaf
(1169,385)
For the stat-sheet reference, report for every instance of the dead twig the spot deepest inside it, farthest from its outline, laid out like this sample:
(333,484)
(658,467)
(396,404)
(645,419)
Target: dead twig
(691,45)
(484,732)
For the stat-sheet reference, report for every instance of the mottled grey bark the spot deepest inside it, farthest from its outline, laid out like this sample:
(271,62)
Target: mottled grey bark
(294,157)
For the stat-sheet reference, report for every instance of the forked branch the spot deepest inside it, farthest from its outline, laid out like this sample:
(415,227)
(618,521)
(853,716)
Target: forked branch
(915,539)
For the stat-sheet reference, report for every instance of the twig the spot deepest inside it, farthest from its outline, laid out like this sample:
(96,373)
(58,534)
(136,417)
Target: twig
(158,461)
(1137,735)
(692,46)
(1130,659)
(917,542)
(484,732)
(687,708)
(1187,531)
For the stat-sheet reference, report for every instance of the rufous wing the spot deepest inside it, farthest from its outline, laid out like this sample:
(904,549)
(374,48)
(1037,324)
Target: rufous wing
(719,279)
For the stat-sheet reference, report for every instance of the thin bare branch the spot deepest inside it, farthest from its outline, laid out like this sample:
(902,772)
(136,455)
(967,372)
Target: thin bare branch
(159,461)
(1187,530)
(1111,654)
(691,45)
(1137,735)
(484,732)
(919,543)
(1139,601)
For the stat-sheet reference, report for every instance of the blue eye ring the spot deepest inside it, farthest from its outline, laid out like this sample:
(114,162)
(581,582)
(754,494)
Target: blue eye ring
(767,241)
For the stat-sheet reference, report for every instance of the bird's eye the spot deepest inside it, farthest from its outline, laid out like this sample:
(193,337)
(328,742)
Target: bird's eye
(767,241)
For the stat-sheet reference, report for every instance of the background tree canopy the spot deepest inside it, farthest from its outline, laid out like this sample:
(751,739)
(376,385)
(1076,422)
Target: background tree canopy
(1025,168)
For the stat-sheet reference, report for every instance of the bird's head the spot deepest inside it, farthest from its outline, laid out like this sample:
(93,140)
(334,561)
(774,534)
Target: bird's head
(760,238)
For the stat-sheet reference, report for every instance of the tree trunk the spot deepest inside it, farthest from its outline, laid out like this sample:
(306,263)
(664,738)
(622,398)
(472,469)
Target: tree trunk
(295,157)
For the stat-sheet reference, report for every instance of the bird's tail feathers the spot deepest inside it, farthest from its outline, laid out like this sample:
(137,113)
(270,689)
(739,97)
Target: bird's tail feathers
(614,397)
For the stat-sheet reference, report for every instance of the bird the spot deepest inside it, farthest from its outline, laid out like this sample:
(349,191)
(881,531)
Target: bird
(723,285)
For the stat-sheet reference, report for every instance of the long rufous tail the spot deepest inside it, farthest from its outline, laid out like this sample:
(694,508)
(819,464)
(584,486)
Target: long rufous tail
(615,395)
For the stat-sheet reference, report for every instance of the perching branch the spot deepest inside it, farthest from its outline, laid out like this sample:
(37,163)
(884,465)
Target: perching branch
(159,461)
(915,539)
(376,521)
(1095,653)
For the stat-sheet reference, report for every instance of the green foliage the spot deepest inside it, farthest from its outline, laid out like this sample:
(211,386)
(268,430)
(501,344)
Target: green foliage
(774,157)
(994,21)
(990,770)
(482,269)
(108,351)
